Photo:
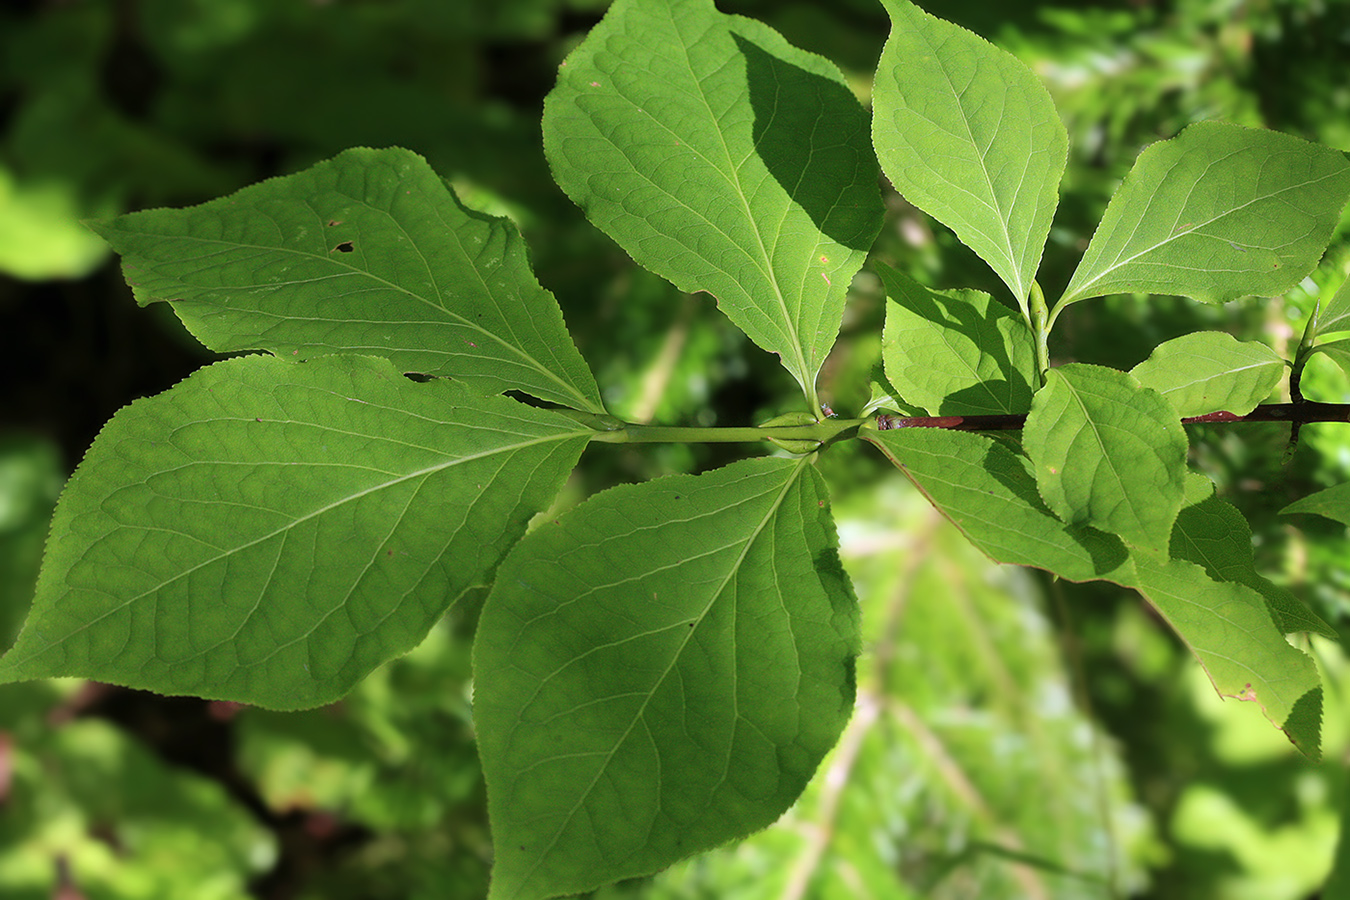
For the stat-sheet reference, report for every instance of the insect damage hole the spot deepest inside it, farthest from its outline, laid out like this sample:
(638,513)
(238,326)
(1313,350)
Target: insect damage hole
(344,247)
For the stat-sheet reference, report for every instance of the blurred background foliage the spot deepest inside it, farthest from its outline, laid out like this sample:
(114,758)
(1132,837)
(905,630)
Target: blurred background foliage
(1014,737)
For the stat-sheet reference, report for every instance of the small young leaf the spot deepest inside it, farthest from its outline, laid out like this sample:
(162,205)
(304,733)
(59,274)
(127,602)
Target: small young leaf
(1216,213)
(1108,452)
(1214,535)
(368,252)
(1333,503)
(1336,315)
(1209,371)
(1337,351)
(660,671)
(955,352)
(269,532)
(725,160)
(968,135)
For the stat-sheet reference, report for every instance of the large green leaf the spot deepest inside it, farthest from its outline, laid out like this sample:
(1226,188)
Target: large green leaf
(1208,371)
(725,160)
(990,494)
(369,252)
(967,134)
(955,352)
(1216,213)
(269,532)
(1108,452)
(660,671)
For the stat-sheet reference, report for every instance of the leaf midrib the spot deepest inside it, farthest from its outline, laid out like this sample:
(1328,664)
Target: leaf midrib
(732,570)
(529,361)
(284,529)
(1081,291)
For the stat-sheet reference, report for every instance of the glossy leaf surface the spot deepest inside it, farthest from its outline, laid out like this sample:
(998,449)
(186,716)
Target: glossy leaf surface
(967,134)
(660,671)
(368,252)
(1216,213)
(269,532)
(725,160)
(1208,371)
(955,352)
(1107,453)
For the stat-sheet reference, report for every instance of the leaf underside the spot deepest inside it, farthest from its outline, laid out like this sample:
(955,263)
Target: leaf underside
(1209,371)
(989,492)
(955,352)
(1108,452)
(966,133)
(369,252)
(1216,213)
(269,532)
(725,160)
(660,671)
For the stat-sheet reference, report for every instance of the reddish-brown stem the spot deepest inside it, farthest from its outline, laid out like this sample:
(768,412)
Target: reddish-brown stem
(1298,413)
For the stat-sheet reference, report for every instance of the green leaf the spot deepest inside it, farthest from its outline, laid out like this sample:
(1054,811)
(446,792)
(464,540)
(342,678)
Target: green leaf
(1336,315)
(955,352)
(725,160)
(269,532)
(1228,628)
(660,671)
(1333,503)
(1107,452)
(1209,371)
(1216,213)
(1338,352)
(969,135)
(989,493)
(368,252)
(1215,536)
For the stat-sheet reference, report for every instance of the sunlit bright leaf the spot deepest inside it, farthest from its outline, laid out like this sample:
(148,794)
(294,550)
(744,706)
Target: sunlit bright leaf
(1336,315)
(1216,213)
(269,532)
(968,135)
(1209,371)
(955,352)
(660,671)
(368,252)
(724,159)
(1107,453)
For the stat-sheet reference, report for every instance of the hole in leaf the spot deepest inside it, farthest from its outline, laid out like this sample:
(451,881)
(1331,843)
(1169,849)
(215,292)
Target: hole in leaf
(344,247)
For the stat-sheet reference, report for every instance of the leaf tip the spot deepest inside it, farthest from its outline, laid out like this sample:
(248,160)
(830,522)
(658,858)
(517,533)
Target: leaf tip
(1304,724)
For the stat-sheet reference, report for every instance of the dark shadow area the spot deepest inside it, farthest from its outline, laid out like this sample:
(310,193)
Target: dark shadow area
(815,139)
